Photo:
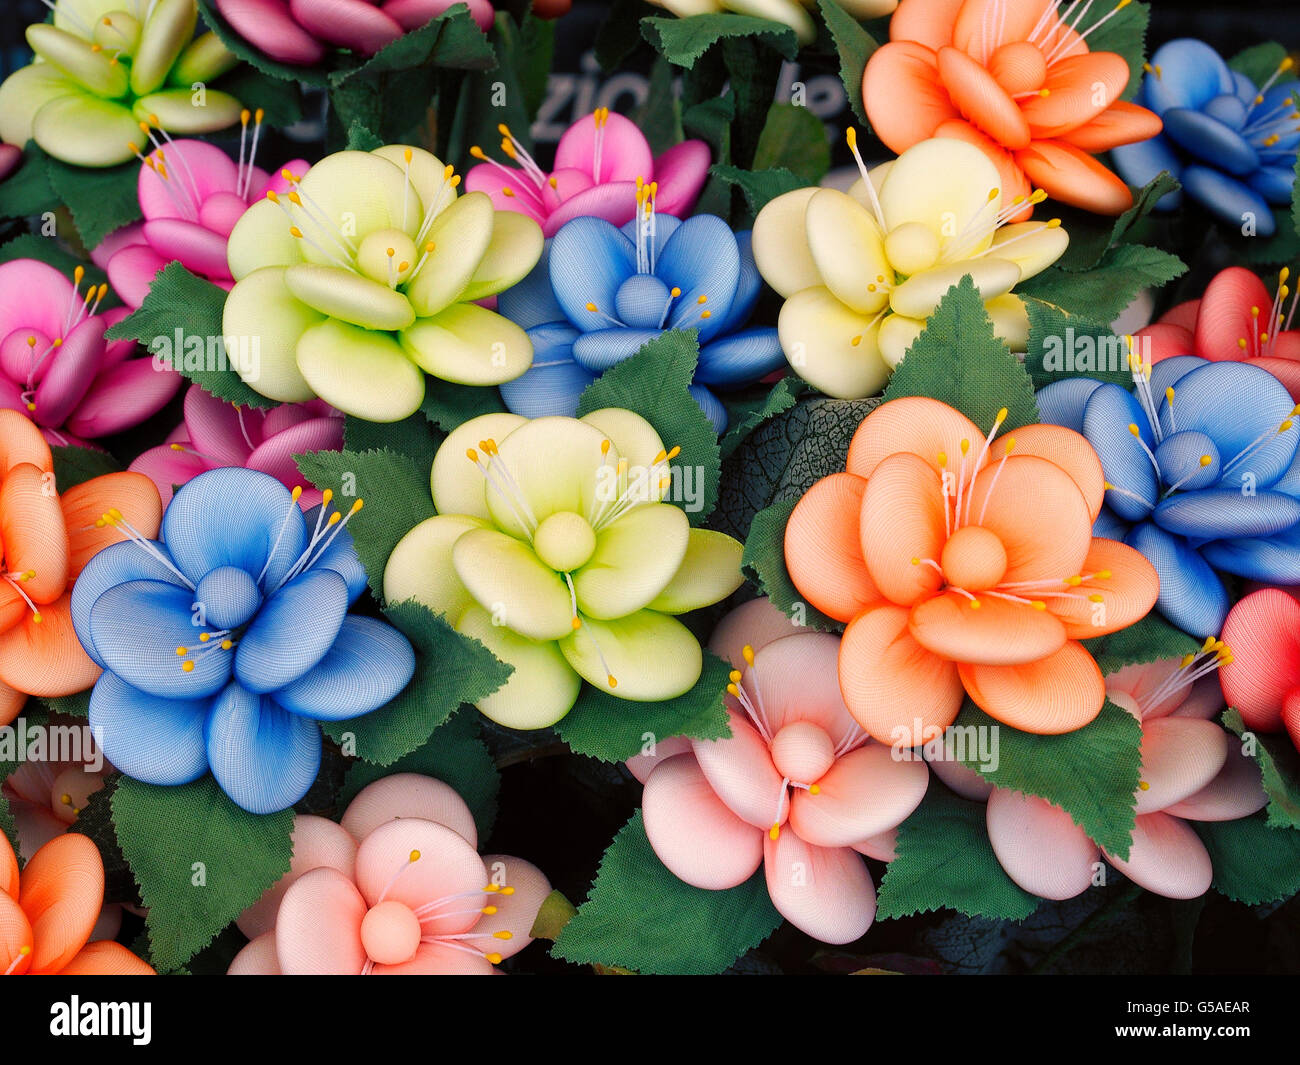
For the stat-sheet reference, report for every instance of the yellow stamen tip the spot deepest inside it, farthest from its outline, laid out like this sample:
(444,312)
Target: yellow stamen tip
(1206,460)
(494,959)
(747,652)
(187,667)
(489,910)
(1143,785)
(503,934)
(975,604)
(182,651)
(774,832)
(613,681)
(1038,604)
(415,856)
(226,645)
(814,790)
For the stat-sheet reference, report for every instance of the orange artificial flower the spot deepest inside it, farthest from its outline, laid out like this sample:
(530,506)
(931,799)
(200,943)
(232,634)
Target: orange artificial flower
(45,540)
(1020,84)
(47,913)
(964,569)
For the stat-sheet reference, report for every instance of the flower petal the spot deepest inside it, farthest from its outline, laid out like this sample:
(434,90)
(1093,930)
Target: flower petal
(651,656)
(264,757)
(366,666)
(823,549)
(866,792)
(1059,693)
(318,928)
(1166,857)
(1039,846)
(823,891)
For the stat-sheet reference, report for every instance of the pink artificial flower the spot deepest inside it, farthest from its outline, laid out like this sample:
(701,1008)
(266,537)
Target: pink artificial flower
(192,194)
(1262,678)
(1192,770)
(1237,319)
(597,164)
(57,369)
(216,433)
(396,888)
(11,156)
(799,788)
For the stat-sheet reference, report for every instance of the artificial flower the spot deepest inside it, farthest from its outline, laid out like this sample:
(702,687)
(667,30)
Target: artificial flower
(396,888)
(601,293)
(793,13)
(216,433)
(366,278)
(1232,145)
(964,569)
(56,367)
(861,272)
(48,913)
(11,157)
(1191,771)
(552,548)
(224,645)
(1235,320)
(45,542)
(104,68)
(1200,475)
(191,195)
(1262,679)
(797,787)
(597,164)
(1016,81)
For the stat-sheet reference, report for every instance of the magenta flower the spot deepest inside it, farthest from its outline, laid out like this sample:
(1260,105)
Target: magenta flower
(597,164)
(57,369)
(215,433)
(191,194)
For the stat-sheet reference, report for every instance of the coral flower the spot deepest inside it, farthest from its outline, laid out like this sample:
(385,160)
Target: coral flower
(1262,680)
(48,913)
(792,13)
(216,433)
(45,543)
(964,569)
(104,68)
(57,369)
(798,788)
(1230,144)
(1016,81)
(1236,319)
(553,547)
(396,888)
(191,195)
(862,272)
(1191,771)
(597,164)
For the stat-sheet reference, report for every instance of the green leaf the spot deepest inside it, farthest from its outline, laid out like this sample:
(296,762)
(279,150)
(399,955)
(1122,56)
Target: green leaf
(1104,291)
(76,705)
(448,406)
(1091,773)
(256,89)
(1065,345)
(660,117)
(794,139)
(76,465)
(958,360)
(683,41)
(450,669)
(759,186)
(764,564)
(452,40)
(95,821)
(1125,34)
(180,302)
(1091,236)
(1279,766)
(1260,62)
(100,199)
(1148,640)
(945,861)
(603,726)
(199,859)
(1253,863)
(654,383)
(854,46)
(413,437)
(395,488)
(528,51)
(639,916)
(362,139)
(27,191)
(746,415)
(455,755)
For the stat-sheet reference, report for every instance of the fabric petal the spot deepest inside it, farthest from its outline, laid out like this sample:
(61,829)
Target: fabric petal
(264,757)
(823,549)
(866,792)
(1166,857)
(366,666)
(318,929)
(823,891)
(1039,846)
(1059,693)
(154,739)
(61,893)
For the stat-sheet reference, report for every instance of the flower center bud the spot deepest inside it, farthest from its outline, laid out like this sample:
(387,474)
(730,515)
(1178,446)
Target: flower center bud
(382,254)
(118,31)
(912,247)
(974,559)
(802,751)
(390,933)
(564,541)
(71,791)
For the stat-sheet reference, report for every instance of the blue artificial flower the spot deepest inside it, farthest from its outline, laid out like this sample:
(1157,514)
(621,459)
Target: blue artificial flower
(225,644)
(1231,144)
(601,293)
(1202,473)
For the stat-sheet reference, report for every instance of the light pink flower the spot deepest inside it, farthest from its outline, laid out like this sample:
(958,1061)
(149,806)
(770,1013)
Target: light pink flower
(597,164)
(216,433)
(396,888)
(191,194)
(57,369)
(799,788)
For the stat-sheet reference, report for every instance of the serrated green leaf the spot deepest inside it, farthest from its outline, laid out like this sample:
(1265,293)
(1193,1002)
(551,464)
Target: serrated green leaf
(1104,291)
(395,488)
(178,300)
(654,383)
(95,821)
(945,861)
(100,199)
(1125,34)
(76,465)
(448,406)
(683,41)
(1253,863)
(759,186)
(1148,640)
(1261,62)
(450,669)
(1063,345)
(1279,766)
(27,191)
(764,564)
(455,755)
(77,705)
(794,139)
(854,45)
(199,859)
(958,360)
(1091,236)
(452,40)
(603,726)
(639,916)
(1091,773)
(280,103)
(529,52)
(413,437)
(745,414)
(361,138)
